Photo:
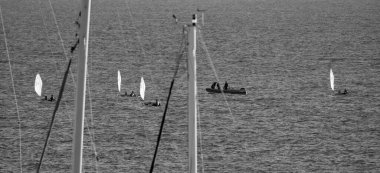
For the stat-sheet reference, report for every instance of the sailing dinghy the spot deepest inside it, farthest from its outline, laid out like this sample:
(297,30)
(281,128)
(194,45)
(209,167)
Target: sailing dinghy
(332,84)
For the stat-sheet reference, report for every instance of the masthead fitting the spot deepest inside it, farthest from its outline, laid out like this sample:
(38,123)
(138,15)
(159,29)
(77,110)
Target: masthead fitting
(194,21)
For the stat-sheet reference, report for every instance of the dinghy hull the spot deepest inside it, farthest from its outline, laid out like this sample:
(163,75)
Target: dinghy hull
(241,91)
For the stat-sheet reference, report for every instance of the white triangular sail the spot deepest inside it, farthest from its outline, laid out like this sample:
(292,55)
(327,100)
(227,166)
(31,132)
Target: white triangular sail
(118,80)
(142,88)
(38,85)
(332,79)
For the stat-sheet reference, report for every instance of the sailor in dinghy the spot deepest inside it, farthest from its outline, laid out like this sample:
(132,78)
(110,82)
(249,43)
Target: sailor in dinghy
(132,94)
(52,98)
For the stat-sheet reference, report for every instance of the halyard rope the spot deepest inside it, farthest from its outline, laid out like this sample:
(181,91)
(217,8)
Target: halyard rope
(214,70)
(13,86)
(87,124)
(62,44)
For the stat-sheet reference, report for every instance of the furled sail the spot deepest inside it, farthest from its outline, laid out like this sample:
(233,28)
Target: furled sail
(332,79)
(38,85)
(118,80)
(142,88)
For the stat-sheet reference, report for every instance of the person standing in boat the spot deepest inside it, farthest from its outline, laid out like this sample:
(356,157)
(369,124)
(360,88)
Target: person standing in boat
(225,86)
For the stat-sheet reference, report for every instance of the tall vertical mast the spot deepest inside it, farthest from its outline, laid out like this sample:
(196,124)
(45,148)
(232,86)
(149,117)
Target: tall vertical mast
(192,96)
(81,85)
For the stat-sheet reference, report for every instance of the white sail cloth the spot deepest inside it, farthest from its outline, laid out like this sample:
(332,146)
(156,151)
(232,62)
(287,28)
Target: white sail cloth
(118,80)
(38,85)
(332,79)
(142,88)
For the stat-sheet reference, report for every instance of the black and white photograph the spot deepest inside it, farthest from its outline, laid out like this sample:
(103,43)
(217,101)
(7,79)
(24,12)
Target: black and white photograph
(197,86)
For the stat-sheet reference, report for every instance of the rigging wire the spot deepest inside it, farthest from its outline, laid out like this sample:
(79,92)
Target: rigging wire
(62,43)
(93,143)
(54,112)
(13,86)
(138,36)
(50,48)
(180,54)
(91,133)
(216,75)
(203,43)
(142,50)
(126,53)
(122,29)
(143,53)
(200,139)
(90,100)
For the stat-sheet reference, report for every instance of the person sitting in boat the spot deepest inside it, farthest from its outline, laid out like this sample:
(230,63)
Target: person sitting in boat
(218,86)
(132,94)
(213,85)
(51,98)
(46,98)
(157,103)
(225,86)
(345,91)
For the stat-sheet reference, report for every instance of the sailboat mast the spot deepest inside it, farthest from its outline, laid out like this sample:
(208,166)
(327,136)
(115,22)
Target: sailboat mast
(192,107)
(81,85)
